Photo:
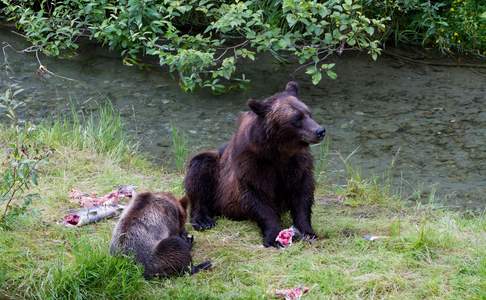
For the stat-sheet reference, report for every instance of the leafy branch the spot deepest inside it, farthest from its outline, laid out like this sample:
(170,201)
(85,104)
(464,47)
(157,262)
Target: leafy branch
(19,168)
(195,38)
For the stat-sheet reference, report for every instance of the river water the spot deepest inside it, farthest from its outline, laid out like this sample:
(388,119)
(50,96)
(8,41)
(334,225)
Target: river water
(432,119)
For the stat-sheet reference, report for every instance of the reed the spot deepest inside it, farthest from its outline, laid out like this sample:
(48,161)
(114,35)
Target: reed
(180,148)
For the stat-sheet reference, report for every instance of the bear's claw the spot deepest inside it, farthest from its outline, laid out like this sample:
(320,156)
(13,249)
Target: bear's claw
(203,223)
(309,237)
(189,239)
(274,244)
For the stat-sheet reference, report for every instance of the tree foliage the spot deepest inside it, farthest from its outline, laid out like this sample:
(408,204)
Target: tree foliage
(452,26)
(204,40)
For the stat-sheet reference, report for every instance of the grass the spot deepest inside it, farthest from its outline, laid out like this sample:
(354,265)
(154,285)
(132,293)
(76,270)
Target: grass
(180,148)
(426,252)
(101,132)
(321,160)
(92,274)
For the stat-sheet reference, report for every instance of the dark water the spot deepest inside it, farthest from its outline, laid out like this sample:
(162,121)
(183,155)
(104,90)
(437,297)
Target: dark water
(434,117)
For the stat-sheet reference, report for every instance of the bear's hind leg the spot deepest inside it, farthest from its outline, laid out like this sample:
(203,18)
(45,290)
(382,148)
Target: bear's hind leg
(171,256)
(200,184)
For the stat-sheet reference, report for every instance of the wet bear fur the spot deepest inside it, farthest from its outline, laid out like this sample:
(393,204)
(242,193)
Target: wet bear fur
(264,170)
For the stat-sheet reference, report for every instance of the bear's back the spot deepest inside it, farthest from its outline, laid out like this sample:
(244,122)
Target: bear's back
(147,220)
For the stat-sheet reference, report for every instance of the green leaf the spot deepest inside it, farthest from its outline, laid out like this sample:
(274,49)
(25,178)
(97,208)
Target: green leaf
(370,30)
(34,178)
(328,38)
(311,70)
(327,66)
(316,78)
(315,74)
(331,74)
(291,20)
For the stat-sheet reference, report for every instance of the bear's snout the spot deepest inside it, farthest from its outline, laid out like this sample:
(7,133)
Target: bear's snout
(320,133)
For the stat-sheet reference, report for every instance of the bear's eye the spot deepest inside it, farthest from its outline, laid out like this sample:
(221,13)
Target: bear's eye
(297,122)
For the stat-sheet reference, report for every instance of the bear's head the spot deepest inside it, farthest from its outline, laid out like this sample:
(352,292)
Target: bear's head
(180,205)
(287,120)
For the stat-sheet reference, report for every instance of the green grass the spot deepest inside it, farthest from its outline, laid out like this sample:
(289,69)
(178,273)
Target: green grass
(321,160)
(180,148)
(101,132)
(428,252)
(92,274)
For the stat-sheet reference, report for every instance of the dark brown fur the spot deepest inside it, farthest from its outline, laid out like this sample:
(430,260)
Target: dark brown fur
(151,229)
(264,170)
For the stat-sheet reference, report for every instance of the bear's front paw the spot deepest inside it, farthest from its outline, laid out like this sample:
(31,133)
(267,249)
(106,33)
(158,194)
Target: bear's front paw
(189,239)
(203,223)
(270,240)
(274,244)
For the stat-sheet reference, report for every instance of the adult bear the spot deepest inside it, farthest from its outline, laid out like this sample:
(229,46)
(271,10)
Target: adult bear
(264,170)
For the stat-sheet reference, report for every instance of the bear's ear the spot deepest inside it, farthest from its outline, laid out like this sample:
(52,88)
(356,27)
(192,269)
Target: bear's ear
(258,107)
(184,201)
(292,88)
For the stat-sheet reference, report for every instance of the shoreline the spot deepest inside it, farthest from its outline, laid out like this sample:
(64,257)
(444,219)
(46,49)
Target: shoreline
(428,252)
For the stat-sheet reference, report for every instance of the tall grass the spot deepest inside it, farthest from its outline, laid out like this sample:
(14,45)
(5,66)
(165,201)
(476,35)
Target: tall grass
(91,274)
(101,131)
(322,159)
(180,148)
(360,190)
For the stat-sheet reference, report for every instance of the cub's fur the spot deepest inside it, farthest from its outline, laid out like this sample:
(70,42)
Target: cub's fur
(152,230)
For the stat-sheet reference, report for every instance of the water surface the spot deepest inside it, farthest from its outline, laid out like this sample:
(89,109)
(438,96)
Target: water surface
(435,117)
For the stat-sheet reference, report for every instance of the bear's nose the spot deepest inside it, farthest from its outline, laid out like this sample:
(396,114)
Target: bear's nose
(320,132)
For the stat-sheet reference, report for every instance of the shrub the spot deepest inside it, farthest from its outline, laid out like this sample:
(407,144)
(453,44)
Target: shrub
(448,25)
(19,166)
(203,40)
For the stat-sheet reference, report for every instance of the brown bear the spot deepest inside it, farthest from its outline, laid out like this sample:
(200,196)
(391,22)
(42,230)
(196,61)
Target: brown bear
(151,229)
(265,169)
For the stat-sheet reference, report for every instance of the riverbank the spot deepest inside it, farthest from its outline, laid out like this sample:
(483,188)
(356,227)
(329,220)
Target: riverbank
(425,252)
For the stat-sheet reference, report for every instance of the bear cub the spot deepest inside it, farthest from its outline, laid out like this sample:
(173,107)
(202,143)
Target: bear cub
(151,228)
